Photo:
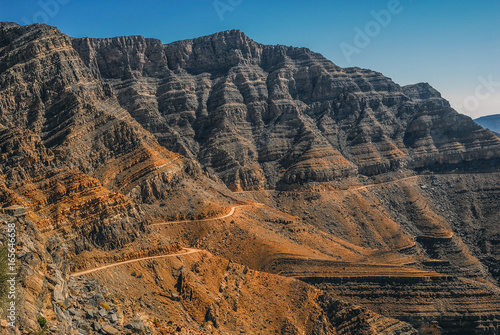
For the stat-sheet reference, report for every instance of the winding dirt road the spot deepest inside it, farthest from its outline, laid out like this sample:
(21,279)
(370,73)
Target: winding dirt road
(187,252)
(364,187)
(231,212)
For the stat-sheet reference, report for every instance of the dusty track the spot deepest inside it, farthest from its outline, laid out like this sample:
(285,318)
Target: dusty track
(382,184)
(187,251)
(364,187)
(231,212)
(355,188)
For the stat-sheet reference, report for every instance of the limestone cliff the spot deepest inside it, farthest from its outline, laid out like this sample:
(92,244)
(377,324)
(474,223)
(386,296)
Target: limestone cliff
(262,116)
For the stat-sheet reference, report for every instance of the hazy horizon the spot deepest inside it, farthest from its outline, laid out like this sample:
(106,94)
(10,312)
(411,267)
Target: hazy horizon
(455,48)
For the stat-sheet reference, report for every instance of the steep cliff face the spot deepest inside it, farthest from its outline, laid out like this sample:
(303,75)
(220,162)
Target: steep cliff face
(263,116)
(70,153)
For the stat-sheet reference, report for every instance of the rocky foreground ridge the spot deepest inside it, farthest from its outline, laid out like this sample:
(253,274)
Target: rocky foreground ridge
(347,204)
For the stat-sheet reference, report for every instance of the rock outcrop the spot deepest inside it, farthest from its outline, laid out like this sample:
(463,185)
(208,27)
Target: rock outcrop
(70,152)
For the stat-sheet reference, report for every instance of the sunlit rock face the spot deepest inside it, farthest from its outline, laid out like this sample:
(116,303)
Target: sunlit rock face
(262,116)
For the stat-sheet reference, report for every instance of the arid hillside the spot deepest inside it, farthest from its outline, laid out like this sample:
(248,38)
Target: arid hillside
(222,186)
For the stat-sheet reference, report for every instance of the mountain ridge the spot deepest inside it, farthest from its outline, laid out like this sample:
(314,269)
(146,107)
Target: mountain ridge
(491,122)
(227,69)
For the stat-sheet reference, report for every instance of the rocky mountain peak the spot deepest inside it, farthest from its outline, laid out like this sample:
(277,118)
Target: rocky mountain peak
(8,24)
(260,116)
(217,52)
(233,36)
(424,92)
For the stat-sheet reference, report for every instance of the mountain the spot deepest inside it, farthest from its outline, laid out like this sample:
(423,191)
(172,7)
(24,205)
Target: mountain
(491,122)
(269,116)
(218,185)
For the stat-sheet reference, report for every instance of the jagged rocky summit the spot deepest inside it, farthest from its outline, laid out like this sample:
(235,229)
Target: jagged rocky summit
(261,116)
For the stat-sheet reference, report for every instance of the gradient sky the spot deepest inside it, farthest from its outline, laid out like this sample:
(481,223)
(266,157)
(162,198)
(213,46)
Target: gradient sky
(454,45)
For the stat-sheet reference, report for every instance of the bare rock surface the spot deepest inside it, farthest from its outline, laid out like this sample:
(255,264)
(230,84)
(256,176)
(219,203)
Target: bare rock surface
(262,116)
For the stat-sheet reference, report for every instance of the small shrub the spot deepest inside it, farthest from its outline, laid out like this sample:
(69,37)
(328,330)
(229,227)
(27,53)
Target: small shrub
(42,322)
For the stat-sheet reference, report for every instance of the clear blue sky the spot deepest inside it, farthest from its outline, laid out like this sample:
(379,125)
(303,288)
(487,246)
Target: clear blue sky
(452,44)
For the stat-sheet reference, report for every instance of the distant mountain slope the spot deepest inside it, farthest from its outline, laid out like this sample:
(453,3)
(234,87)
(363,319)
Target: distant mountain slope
(492,122)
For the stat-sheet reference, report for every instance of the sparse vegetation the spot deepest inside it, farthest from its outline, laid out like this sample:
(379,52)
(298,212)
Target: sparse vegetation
(42,322)
(330,157)
(280,221)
